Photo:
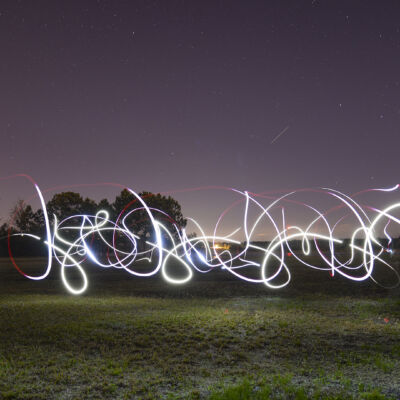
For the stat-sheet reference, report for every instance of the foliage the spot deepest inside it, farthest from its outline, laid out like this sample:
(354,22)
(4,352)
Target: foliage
(164,209)
(105,205)
(3,230)
(66,204)
(24,219)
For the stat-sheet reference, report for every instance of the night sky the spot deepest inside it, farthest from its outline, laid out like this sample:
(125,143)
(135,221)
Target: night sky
(167,95)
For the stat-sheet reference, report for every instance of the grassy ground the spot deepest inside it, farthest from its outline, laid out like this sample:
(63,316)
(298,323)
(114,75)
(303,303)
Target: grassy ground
(215,338)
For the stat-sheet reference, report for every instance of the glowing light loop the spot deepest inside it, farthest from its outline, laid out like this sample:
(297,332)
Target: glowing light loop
(117,243)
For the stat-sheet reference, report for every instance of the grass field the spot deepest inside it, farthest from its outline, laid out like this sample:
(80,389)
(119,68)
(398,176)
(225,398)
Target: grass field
(215,338)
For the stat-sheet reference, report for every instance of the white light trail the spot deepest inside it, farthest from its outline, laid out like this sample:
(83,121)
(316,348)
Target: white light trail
(116,244)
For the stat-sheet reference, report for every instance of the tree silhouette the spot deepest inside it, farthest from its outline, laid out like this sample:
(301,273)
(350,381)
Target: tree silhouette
(23,219)
(164,209)
(126,207)
(67,204)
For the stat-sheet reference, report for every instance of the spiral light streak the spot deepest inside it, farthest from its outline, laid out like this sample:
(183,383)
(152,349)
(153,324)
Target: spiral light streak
(118,244)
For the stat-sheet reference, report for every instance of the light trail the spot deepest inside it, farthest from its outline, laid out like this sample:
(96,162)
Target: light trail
(280,134)
(117,244)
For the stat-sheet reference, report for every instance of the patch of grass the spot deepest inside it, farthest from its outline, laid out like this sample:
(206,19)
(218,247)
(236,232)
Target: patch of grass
(283,389)
(162,342)
(384,364)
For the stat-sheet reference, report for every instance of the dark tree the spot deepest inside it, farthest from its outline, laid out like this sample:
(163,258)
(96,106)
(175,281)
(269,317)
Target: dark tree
(124,200)
(23,219)
(70,204)
(105,205)
(164,209)
(66,204)
(3,231)
(3,240)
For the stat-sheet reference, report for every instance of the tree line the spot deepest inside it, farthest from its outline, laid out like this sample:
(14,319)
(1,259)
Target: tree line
(24,219)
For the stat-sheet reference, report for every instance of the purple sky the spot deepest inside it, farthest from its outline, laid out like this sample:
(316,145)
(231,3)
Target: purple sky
(167,95)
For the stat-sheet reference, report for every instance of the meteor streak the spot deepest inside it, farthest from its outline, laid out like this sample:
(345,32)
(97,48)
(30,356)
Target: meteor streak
(280,134)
